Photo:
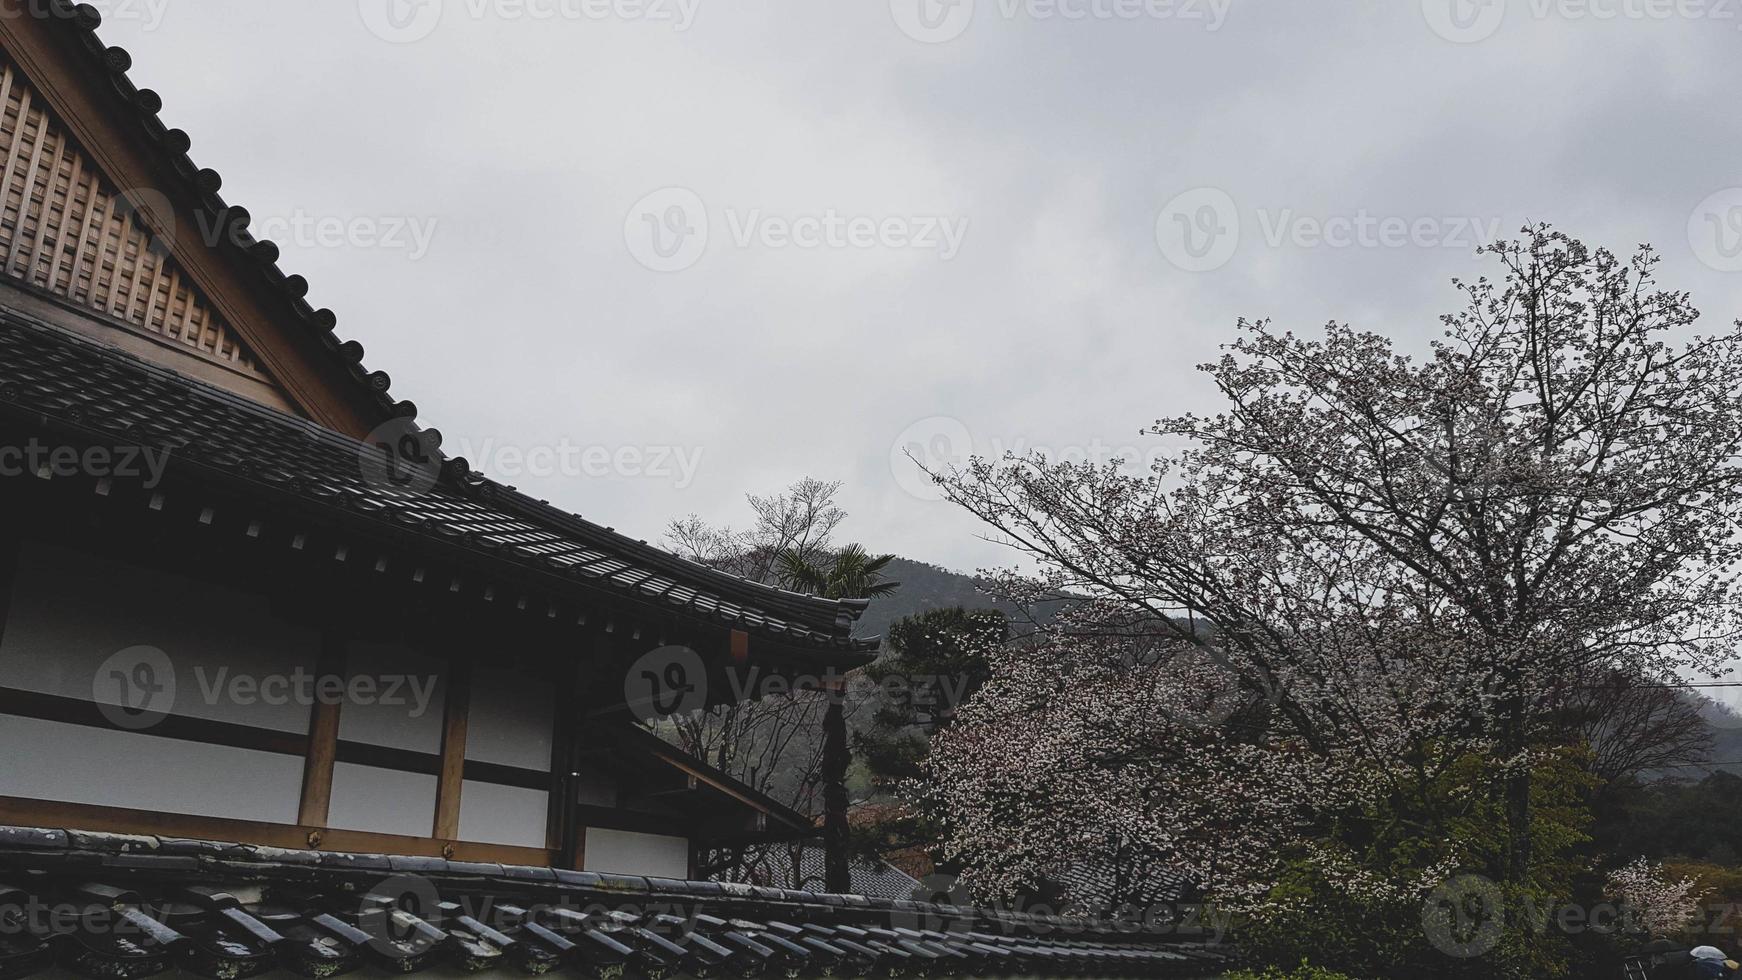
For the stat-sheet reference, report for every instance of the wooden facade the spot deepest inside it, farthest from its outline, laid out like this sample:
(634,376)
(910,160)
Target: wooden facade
(66,230)
(135,312)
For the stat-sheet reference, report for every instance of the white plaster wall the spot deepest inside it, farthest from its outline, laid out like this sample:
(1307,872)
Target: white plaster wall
(625,852)
(509,719)
(414,720)
(70,613)
(492,814)
(384,801)
(49,760)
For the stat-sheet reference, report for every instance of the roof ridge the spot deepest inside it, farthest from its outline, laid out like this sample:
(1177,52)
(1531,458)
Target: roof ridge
(172,146)
(460,479)
(661,558)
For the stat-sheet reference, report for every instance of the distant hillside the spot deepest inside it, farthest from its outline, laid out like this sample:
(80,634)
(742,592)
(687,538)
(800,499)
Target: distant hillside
(1726,728)
(923,588)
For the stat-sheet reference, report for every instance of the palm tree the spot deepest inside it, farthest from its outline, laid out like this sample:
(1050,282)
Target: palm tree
(851,573)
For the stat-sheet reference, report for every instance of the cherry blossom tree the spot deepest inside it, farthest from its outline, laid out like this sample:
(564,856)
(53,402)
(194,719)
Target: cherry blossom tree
(1652,901)
(1368,565)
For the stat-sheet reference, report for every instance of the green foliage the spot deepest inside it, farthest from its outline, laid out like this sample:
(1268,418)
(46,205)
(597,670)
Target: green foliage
(1675,819)
(1363,899)
(1305,971)
(932,663)
(1724,881)
(851,573)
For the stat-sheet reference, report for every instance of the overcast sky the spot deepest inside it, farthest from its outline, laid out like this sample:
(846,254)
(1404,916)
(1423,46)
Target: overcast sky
(732,244)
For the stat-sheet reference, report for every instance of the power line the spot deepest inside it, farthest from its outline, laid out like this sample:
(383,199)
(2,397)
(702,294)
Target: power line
(1629,687)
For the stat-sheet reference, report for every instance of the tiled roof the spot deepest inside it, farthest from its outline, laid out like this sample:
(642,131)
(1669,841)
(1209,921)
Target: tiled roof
(81,21)
(875,878)
(1093,885)
(123,908)
(49,376)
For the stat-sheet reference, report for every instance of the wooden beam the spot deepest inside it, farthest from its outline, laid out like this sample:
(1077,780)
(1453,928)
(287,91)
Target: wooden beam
(78,711)
(453,774)
(617,818)
(323,736)
(17,811)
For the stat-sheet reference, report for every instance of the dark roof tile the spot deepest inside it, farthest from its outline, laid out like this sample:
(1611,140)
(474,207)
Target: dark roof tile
(48,375)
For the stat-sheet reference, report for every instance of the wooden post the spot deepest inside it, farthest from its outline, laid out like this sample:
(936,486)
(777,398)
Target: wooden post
(560,833)
(10,551)
(453,770)
(17,517)
(837,869)
(323,735)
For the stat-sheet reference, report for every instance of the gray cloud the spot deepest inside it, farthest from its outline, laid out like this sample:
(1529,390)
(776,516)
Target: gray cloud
(527,142)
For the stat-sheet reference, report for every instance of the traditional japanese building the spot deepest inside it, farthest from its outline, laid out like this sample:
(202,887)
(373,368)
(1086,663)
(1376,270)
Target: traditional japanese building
(282,686)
